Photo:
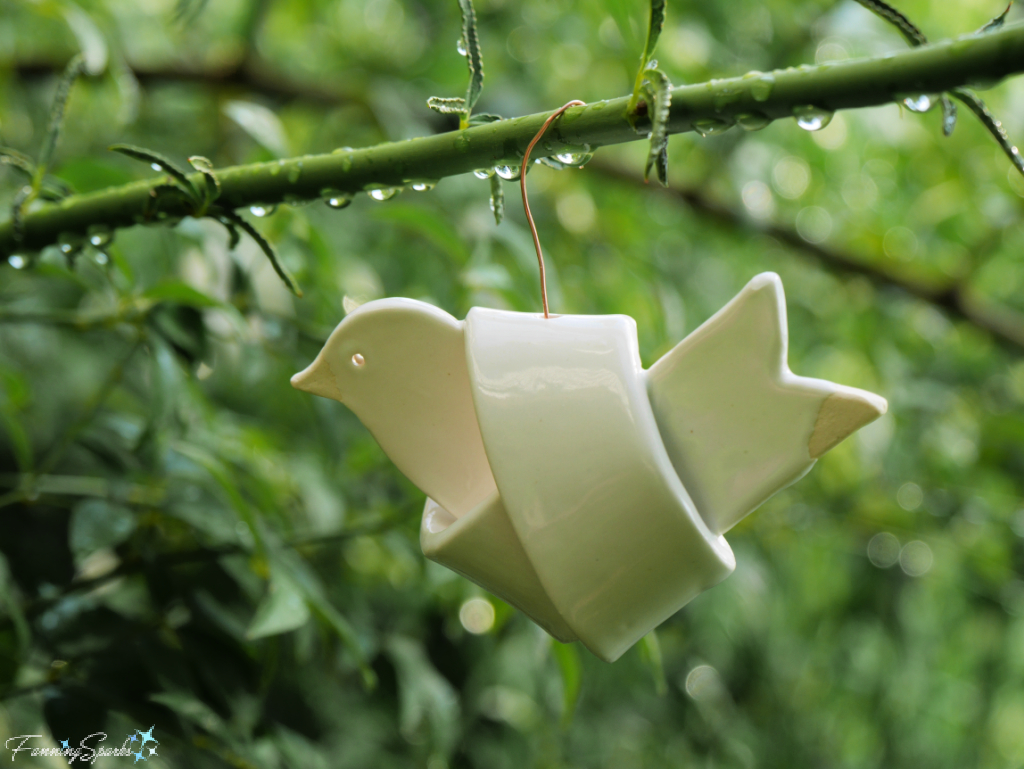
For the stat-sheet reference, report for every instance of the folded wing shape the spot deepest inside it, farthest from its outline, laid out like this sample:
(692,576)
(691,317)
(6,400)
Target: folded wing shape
(737,423)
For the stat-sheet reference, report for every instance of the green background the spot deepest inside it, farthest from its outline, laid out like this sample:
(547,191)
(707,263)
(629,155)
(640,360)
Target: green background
(190,543)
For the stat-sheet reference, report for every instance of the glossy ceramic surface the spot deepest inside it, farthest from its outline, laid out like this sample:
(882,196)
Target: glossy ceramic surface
(588,493)
(737,423)
(583,473)
(412,392)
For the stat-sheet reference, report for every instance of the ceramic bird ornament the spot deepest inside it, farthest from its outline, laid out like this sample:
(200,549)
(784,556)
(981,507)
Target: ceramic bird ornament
(563,477)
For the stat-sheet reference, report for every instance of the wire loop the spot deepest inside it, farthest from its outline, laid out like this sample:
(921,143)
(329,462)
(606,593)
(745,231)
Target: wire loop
(526,202)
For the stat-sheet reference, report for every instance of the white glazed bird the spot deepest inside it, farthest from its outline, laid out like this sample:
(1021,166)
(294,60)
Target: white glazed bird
(566,479)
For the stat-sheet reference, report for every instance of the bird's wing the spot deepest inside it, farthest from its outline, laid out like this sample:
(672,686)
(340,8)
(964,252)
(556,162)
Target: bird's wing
(737,423)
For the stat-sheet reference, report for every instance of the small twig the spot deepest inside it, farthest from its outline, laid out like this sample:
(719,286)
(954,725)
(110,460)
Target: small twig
(526,201)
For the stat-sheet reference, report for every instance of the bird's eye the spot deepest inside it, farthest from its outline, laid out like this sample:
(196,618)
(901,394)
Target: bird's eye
(358,360)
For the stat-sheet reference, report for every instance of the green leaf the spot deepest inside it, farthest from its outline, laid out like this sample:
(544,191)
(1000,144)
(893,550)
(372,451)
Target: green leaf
(453,106)
(156,159)
(9,601)
(650,654)
(948,115)
(497,199)
(17,160)
(427,700)
(187,11)
(910,32)
(282,609)
(96,524)
(654,26)
(90,40)
(205,167)
(180,293)
(655,23)
(978,107)
(997,22)
(474,58)
(267,249)
(19,441)
(306,580)
(659,92)
(60,100)
(261,124)
(570,669)
(483,118)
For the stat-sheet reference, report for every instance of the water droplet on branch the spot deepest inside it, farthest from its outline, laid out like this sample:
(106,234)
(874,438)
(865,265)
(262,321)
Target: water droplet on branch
(336,198)
(483,173)
(508,173)
(17,261)
(100,236)
(811,118)
(460,46)
(711,127)
(385,193)
(762,86)
(921,103)
(262,211)
(752,121)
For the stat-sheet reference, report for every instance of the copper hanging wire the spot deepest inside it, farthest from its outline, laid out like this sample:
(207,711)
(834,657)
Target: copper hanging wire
(526,201)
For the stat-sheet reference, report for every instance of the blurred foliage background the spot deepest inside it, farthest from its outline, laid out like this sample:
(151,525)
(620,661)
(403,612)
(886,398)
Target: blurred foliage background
(188,542)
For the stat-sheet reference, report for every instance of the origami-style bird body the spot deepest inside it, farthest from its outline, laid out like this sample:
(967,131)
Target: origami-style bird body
(564,478)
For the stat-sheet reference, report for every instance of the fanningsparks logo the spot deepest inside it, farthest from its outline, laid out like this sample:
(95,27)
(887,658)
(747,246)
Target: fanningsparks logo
(136,746)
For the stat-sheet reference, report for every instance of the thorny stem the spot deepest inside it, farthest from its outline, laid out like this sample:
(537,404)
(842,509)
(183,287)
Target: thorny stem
(934,68)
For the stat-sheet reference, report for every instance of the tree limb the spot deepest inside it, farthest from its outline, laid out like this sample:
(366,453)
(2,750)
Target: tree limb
(847,85)
(1005,325)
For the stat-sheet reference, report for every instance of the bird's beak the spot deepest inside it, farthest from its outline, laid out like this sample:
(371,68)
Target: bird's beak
(318,379)
(843,413)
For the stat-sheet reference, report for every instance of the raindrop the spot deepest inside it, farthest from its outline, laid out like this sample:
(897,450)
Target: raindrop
(17,261)
(652,64)
(483,173)
(424,185)
(460,46)
(508,173)
(68,243)
(811,118)
(341,150)
(573,158)
(921,103)
(385,193)
(762,86)
(336,198)
(100,236)
(102,258)
(462,143)
(262,211)
(155,166)
(294,173)
(752,121)
(358,360)
(711,127)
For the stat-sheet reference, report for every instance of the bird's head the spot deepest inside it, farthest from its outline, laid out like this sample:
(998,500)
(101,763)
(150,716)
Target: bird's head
(377,344)
(400,366)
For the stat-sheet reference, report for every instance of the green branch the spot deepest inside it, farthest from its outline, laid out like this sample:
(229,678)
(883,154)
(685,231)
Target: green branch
(848,85)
